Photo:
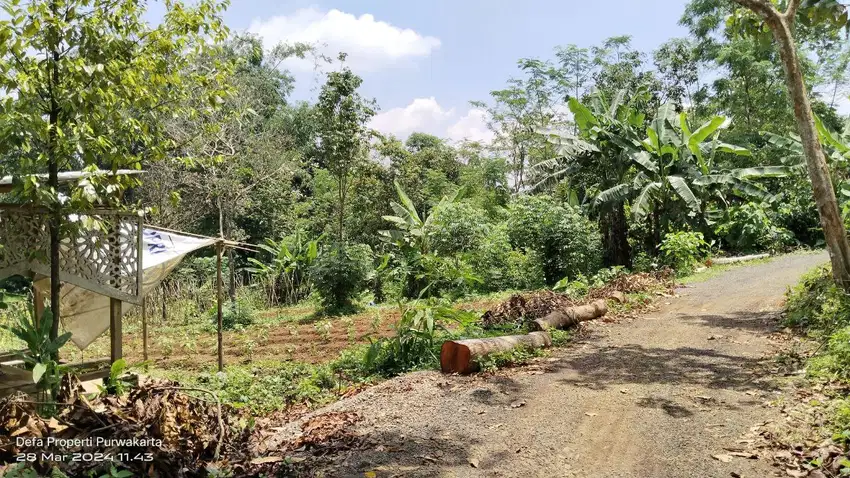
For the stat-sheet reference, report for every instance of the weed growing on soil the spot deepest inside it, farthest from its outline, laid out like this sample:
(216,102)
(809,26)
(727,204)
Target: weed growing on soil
(521,355)
(266,386)
(509,358)
(418,335)
(323,328)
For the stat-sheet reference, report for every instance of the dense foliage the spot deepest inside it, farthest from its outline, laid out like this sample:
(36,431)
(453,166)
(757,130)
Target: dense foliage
(346,215)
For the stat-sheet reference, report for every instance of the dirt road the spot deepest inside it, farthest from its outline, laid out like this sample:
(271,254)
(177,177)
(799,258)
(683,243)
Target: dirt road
(654,397)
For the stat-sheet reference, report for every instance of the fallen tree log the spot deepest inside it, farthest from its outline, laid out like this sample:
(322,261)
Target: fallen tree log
(461,356)
(561,319)
(732,260)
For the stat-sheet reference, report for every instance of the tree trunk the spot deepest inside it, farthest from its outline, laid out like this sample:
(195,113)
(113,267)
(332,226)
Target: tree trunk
(830,217)
(615,236)
(53,182)
(461,356)
(562,319)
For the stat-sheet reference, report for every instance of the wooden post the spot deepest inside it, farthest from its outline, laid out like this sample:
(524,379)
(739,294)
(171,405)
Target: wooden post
(38,304)
(144,328)
(218,285)
(115,333)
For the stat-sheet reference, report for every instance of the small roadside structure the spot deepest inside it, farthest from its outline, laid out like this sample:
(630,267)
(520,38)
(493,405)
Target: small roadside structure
(109,261)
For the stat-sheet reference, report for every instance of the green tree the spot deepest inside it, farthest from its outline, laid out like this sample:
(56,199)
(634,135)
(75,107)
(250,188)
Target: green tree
(516,115)
(342,117)
(678,67)
(88,82)
(575,70)
(598,158)
(618,67)
(782,26)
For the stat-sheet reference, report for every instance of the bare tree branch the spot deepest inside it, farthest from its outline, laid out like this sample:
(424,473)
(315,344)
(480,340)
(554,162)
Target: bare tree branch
(791,12)
(762,8)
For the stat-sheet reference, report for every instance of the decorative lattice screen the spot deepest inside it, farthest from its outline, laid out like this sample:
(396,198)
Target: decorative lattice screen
(99,252)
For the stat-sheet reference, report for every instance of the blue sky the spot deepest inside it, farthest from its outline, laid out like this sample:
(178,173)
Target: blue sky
(424,61)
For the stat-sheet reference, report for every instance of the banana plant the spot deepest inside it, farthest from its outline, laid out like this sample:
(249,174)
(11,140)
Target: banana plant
(419,267)
(676,161)
(412,231)
(836,148)
(284,273)
(604,129)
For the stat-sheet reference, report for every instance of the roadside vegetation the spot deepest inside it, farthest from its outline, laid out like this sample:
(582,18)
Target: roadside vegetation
(610,169)
(822,310)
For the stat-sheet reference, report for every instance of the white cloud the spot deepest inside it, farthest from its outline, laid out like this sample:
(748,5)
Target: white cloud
(422,115)
(472,127)
(426,115)
(369,43)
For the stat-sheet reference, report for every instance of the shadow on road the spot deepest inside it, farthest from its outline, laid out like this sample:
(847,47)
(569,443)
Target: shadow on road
(670,408)
(766,322)
(614,365)
(389,453)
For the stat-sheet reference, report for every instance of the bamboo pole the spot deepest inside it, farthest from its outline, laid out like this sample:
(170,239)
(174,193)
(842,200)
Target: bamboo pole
(115,332)
(218,285)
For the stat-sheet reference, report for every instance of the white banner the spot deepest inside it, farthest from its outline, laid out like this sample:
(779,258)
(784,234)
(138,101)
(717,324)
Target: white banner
(86,314)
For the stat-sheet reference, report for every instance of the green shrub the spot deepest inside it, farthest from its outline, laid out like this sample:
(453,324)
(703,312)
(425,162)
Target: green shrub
(422,271)
(524,271)
(340,275)
(834,361)
(502,268)
(643,262)
(794,209)
(458,227)
(580,286)
(817,304)
(233,316)
(418,337)
(567,242)
(683,250)
(748,228)
(823,310)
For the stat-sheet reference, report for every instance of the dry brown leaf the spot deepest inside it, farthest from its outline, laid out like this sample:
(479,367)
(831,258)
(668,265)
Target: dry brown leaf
(267,459)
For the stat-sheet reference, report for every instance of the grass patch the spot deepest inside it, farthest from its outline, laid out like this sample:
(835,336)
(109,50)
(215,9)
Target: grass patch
(716,270)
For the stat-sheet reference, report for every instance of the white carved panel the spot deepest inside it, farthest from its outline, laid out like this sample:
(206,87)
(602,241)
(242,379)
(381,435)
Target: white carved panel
(99,252)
